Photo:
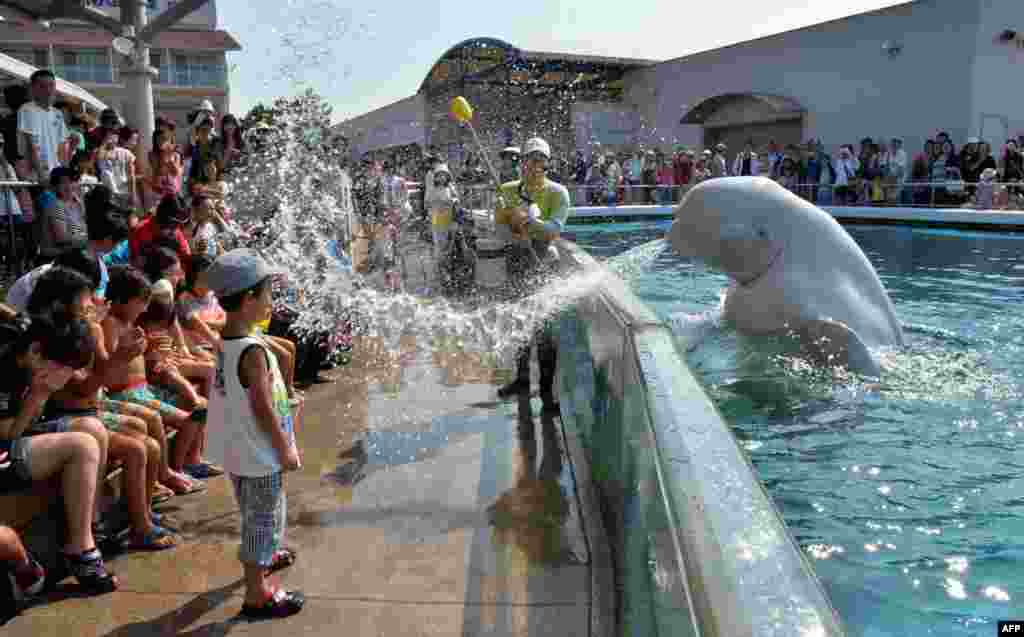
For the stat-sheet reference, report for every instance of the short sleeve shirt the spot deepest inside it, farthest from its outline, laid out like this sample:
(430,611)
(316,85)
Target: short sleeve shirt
(47,130)
(553,201)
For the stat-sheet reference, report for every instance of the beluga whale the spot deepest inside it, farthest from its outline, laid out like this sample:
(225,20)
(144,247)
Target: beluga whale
(795,271)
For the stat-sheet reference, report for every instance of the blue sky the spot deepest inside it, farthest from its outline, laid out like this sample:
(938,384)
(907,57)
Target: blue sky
(362,55)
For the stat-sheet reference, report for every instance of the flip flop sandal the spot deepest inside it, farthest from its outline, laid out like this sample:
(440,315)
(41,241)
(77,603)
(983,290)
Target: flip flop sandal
(161,494)
(90,571)
(196,486)
(282,559)
(158,539)
(280,604)
(203,470)
(164,521)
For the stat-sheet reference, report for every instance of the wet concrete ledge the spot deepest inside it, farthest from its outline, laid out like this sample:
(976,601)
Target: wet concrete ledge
(424,507)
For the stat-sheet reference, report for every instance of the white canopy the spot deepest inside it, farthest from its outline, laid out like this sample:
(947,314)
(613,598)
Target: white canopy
(21,70)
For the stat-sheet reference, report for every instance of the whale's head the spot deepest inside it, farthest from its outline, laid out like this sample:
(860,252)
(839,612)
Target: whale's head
(732,224)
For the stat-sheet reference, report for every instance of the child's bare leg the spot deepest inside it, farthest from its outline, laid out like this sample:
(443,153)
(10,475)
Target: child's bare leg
(189,432)
(175,380)
(132,452)
(94,428)
(153,427)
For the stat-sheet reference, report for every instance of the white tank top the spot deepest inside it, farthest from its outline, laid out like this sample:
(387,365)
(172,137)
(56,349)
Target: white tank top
(233,438)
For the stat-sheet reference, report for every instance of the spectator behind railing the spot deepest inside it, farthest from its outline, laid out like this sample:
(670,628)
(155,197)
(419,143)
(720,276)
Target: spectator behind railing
(61,219)
(42,133)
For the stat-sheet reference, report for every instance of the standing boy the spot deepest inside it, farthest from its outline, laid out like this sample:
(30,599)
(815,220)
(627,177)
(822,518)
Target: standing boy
(250,429)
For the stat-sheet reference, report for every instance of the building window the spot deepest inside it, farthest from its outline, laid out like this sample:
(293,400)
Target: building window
(199,70)
(84,65)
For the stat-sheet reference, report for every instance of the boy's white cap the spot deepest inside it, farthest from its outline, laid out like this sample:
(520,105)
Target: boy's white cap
(537,145)
(163,289)
(206,105)
(237,271)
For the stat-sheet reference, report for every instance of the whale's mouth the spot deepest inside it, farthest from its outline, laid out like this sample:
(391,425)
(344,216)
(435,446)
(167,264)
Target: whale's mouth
(753,281)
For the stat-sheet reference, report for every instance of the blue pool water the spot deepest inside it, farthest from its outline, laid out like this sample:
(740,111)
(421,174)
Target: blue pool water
(909,497)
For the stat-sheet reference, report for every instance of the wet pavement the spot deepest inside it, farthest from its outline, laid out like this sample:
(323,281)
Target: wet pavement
(424,507)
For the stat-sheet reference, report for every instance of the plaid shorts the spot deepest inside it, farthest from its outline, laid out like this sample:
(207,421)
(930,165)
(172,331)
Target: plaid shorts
(262,504)
(152,397)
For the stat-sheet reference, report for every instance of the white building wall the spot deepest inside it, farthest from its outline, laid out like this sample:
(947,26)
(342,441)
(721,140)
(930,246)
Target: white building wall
(600,125)
(997,92)
(838,71)
(396,124)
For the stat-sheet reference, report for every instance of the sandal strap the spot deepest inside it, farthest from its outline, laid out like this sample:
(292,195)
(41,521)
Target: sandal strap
(87,565)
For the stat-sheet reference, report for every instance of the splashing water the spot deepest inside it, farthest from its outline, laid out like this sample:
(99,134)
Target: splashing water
(290,203)
(634,262)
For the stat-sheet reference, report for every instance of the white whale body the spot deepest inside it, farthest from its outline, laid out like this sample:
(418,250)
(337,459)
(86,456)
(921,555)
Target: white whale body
(795,270)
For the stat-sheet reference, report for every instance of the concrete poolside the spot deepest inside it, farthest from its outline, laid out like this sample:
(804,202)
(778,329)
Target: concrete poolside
(422,508)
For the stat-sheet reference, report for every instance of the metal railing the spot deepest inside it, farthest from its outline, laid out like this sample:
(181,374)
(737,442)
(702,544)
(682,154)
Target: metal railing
(945,194)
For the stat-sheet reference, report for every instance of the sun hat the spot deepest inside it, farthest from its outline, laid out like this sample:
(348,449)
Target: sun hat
(206,105)
(537,145)
(236,271)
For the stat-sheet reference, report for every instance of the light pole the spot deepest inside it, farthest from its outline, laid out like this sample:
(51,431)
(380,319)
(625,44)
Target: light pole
(138,78)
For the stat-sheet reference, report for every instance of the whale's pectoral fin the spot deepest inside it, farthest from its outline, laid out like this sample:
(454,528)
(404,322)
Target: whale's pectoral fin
(831,343)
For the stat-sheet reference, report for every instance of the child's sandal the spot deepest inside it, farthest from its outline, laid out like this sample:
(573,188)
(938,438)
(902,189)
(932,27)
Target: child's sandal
(279,605)
(90,571)
(158,539)
(282,559)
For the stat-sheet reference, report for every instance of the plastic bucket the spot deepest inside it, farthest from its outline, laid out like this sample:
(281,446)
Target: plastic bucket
(491,263)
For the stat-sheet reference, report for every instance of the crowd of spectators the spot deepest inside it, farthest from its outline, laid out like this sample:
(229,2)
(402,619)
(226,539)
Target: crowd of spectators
(110,331)
(873,174)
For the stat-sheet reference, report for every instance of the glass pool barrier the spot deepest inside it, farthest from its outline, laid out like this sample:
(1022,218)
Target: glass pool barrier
(698,546)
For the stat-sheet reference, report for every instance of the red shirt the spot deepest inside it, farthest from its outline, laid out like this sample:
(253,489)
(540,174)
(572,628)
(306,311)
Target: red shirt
(147,232)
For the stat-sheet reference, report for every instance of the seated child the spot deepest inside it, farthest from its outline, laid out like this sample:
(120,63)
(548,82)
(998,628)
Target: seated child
(133,418)
(162,262)
(80,399)
(201,316)
(161,362)
(125,372)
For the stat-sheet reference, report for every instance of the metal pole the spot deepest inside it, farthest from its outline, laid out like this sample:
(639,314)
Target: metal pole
(138,79)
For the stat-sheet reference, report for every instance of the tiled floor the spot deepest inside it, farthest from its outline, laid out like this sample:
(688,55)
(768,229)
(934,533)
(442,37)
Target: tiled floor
(423,508)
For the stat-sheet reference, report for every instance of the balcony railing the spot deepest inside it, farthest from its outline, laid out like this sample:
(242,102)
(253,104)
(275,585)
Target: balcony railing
(198,75)
(78,73)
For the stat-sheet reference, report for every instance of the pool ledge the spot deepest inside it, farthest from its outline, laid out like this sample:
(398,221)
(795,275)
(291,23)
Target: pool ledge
(699,547)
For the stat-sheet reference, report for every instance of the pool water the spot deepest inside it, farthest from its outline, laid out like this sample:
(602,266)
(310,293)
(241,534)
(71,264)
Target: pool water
(907,497)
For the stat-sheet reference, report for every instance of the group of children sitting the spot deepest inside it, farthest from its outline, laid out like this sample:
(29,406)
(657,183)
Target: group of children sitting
(108,360)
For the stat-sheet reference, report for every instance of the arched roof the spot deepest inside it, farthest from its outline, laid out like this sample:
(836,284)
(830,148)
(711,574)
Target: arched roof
(470,57)
(778,105)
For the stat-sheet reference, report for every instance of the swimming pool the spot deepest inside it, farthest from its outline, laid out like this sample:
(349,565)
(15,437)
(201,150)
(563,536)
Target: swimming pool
(907,497)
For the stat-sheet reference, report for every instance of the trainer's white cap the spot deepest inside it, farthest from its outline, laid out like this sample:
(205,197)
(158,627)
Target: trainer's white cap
(537,145)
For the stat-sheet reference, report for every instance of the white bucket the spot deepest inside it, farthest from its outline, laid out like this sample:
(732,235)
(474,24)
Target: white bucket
(491,263)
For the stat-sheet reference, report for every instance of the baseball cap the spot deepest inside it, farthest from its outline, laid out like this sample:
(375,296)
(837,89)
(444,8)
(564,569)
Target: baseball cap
(236,271)
(537,145)
(509,150)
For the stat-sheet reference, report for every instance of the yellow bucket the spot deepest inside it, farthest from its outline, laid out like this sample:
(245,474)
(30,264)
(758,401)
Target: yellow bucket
(461,110)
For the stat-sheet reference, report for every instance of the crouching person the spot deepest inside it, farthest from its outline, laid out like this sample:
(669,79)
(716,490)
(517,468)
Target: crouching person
(250,429)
